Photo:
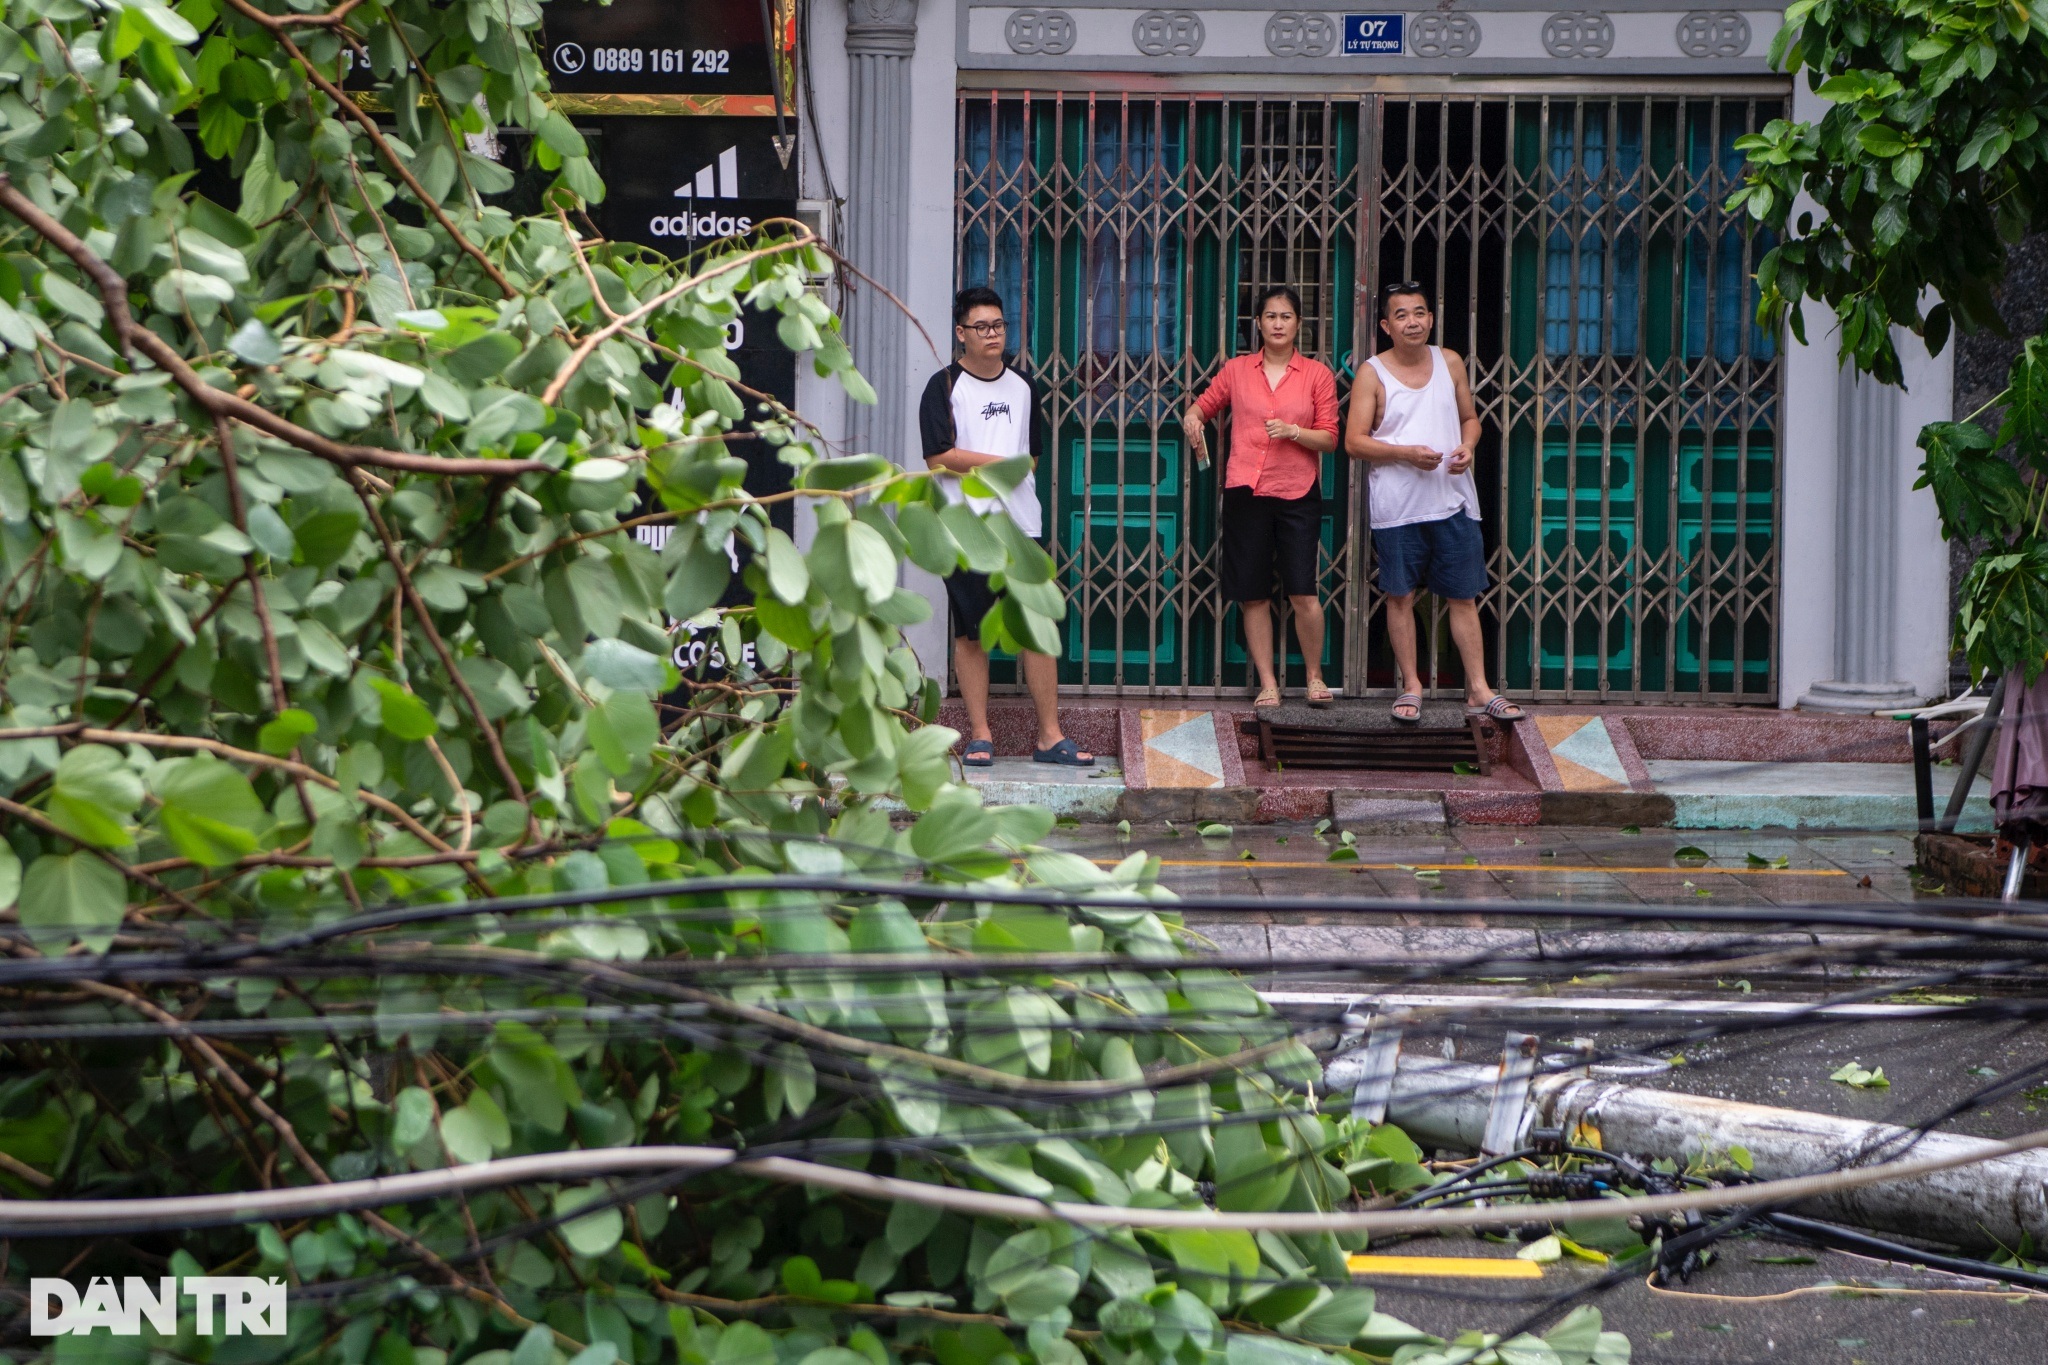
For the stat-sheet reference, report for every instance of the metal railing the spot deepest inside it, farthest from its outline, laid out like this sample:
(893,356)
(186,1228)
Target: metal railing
(1580,258)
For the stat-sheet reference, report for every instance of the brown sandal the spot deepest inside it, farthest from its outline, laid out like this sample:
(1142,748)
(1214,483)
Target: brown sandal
(1268,698)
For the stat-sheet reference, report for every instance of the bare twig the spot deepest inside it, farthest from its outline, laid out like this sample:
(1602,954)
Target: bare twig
(455,678)
(289,1136)
(280,699)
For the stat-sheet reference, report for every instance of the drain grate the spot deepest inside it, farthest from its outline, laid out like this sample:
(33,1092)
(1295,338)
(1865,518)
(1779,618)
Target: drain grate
(1429,749)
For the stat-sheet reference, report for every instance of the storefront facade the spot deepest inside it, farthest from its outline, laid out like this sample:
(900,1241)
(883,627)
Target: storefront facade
(1680,506)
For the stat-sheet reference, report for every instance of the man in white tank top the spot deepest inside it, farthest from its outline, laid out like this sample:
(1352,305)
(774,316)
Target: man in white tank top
(1414,424)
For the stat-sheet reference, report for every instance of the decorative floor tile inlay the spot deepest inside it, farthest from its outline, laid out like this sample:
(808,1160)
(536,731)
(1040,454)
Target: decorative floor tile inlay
(1584,753)
(1181,749)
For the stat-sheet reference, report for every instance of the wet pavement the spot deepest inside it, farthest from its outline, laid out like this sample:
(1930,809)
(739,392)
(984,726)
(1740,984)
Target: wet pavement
(1493,862)
(1761,1298)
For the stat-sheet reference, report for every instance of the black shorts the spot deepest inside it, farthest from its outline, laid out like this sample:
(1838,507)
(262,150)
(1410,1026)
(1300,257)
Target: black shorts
(971,598)
(1260,532)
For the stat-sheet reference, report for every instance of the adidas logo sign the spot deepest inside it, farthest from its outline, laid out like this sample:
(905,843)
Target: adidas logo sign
(720,180)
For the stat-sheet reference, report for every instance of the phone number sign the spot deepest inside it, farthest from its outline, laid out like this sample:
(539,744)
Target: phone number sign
(1374,35)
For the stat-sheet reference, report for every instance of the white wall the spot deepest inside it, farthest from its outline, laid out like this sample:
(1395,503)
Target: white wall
(930,293)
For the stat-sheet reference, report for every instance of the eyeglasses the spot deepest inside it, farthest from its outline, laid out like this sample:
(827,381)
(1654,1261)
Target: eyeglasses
(986,329)
(1388,291)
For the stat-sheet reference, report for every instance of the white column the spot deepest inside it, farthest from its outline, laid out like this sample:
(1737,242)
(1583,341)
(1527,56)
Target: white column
(1863,613)
(1865,675)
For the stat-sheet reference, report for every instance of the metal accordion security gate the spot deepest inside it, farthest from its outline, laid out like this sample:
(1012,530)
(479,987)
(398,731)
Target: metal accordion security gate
(1581,259)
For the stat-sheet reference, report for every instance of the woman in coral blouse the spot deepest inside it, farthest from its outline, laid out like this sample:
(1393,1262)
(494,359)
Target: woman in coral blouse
(1283,416)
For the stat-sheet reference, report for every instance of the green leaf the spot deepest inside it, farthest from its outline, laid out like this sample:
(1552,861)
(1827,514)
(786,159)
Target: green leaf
(1246,1349)
(10,876)
(622,730)
(484,359)
(1977,493)
(980,551)
(593,1234)
(72,299)
(93,794)
(473,1130)
(931,546)
(788,577)
(281,734)
(401,713)
(74,893)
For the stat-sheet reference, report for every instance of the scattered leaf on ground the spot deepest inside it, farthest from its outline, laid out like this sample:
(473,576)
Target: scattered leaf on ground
(1322,826)
(1543,1250)
(1785,1260)
(1214,830)
(1465,769)
(1066,822)
(1863,1078)
(1123,829)
(1691,853)
(1584,1253)
(1984,1071)
(1281,840)
(1246,854)
(1343,855)
(1631,829)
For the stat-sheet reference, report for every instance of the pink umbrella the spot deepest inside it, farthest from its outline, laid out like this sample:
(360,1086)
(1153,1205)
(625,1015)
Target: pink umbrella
(2019,774)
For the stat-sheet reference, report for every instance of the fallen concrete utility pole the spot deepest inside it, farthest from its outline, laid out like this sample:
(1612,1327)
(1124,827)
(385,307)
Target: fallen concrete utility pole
(1449,1104)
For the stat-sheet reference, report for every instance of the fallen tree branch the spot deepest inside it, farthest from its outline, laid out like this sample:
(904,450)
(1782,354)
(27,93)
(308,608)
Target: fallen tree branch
(455,679)
(198,744)
(289,1136)
(136,339)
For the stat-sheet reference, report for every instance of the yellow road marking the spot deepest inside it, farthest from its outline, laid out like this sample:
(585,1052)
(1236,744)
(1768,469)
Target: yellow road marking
(1461,1267)
(1492,867)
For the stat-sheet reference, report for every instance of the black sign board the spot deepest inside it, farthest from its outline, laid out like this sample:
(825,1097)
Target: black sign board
(681,184)
(657,47)
(677,184)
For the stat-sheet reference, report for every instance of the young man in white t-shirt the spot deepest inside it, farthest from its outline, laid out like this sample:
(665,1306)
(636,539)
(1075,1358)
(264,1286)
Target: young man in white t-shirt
(1414,424)
(976,411)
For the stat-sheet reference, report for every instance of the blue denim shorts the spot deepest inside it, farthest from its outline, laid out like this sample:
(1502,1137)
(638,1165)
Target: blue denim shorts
(1449,555)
